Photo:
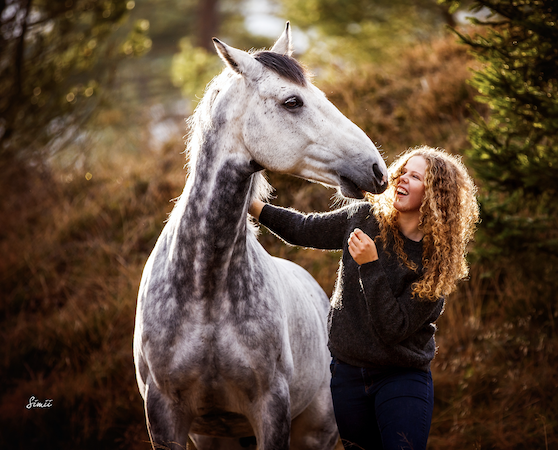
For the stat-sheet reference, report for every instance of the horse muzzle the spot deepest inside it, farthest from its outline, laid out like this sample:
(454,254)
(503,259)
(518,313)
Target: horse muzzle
(352,186)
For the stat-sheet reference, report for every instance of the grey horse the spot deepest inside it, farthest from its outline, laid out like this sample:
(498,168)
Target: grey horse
(230,344)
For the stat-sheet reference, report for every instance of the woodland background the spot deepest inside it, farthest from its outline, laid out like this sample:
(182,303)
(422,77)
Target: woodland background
(93,96)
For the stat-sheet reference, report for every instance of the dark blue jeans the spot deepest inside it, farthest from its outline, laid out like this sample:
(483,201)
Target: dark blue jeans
(382,410)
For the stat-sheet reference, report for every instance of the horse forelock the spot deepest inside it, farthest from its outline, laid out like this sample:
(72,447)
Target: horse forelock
(284,66)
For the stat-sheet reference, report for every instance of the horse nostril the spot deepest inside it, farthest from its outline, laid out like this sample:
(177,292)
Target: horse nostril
(377,172)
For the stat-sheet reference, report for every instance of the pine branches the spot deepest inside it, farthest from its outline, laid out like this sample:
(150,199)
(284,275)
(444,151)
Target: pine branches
(514,151)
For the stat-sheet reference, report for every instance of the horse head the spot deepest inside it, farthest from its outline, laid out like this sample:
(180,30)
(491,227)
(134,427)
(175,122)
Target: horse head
(282,122)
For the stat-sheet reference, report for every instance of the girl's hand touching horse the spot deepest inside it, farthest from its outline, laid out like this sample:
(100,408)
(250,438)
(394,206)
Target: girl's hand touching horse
(256,208)
(361,247)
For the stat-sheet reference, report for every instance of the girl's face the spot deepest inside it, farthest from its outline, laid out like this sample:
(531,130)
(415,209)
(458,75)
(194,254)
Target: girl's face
(410,185)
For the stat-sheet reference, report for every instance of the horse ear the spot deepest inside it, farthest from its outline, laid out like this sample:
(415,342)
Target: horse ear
(284,44)
(239,61)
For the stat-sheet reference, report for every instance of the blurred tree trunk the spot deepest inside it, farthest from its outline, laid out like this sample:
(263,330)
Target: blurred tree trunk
(208,23)
(16,61)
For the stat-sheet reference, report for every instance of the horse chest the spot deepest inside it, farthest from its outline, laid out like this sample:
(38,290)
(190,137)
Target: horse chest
(213,336)
(207,362)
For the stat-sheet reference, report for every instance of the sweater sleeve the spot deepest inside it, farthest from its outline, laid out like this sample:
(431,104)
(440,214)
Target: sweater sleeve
(394,318)
(324,231)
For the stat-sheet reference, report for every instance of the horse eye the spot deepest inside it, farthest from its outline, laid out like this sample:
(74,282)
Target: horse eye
(293,103)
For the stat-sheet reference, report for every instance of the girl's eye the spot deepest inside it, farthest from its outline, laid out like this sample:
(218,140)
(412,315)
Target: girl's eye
(293,103)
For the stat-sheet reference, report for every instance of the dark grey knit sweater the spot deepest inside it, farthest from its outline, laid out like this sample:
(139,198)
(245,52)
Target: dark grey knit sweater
(374,321)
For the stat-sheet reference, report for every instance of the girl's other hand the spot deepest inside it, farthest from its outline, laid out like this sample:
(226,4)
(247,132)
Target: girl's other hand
(361,247)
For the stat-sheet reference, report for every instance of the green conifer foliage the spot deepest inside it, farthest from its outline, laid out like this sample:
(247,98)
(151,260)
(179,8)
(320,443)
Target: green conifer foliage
(514,151)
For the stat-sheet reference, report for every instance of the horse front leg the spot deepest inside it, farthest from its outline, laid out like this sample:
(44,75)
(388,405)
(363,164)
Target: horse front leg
(315,428)
(168,428)
(271,419)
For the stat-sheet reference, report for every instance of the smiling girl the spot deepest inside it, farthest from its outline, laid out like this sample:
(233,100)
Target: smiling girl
(403,252)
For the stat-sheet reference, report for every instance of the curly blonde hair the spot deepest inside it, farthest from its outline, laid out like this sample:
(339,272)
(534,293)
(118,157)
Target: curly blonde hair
(448,217)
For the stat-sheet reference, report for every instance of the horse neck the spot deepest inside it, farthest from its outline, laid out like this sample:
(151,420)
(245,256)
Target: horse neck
(211,224)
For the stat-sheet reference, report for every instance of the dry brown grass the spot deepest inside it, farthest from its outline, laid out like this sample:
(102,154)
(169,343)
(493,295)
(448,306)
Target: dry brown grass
(73,250)
(496,371)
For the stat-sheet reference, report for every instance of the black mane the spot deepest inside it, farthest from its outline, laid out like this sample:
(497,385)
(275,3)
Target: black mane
(284,66)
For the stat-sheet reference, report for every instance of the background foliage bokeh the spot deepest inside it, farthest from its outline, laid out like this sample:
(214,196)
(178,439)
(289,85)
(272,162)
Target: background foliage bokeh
(92,107)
